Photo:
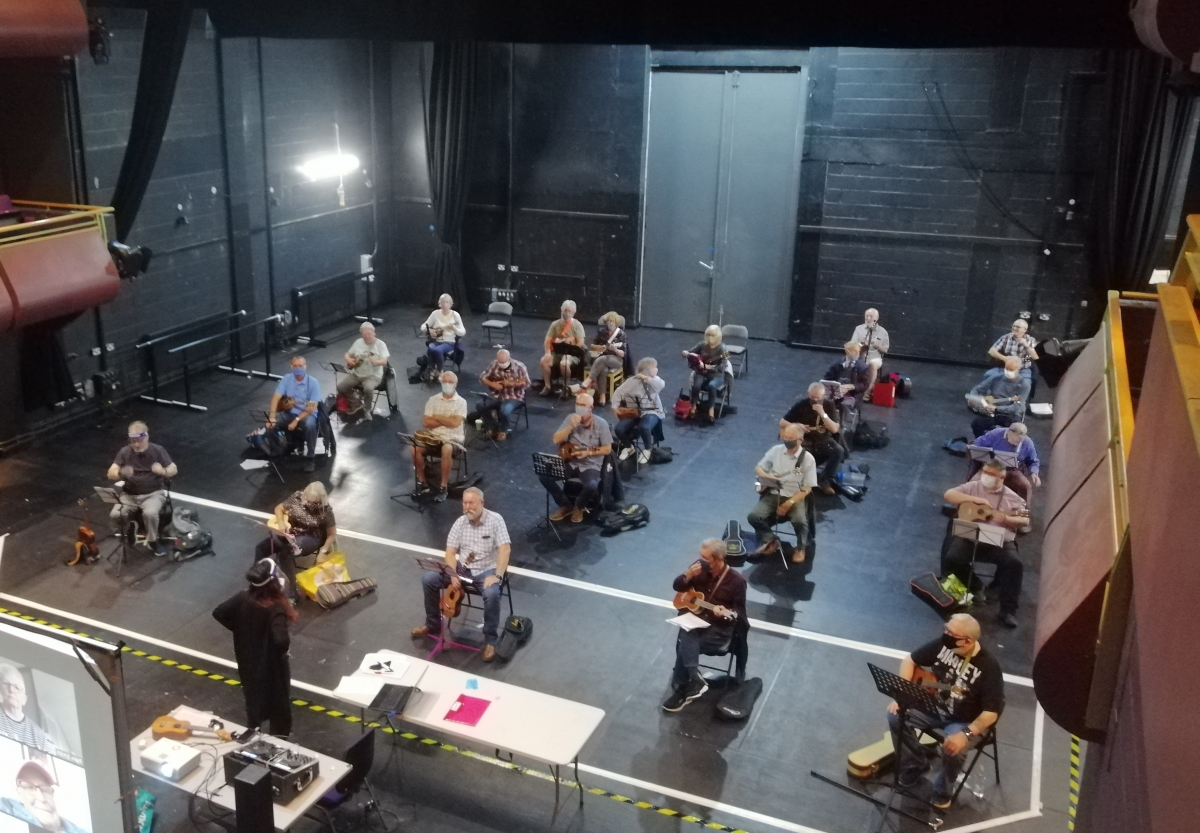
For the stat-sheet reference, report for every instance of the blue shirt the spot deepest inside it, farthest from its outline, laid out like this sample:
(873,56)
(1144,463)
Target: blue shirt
(997,440)
(304,391)
(1003,389)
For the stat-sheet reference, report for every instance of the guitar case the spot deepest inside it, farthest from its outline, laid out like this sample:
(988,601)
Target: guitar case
(738,702)
(868,761)
(735,547)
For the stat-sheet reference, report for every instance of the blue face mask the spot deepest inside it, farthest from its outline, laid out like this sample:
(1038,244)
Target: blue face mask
(298,373)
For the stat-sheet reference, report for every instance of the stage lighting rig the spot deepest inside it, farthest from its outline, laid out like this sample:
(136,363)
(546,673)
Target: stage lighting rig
(131,261)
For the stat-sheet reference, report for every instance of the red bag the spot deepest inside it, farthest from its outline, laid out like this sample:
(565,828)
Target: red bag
(683,406)
(885,394)
(343,404)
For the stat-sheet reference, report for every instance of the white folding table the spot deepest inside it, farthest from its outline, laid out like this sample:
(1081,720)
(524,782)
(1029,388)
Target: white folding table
(208,779)
(519,721)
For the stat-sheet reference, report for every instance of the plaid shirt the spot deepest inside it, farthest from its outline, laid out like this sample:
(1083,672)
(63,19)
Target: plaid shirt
(496,373)
(1008,345)
(478,544)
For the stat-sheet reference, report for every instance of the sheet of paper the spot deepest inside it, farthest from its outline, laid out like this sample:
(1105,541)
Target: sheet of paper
(250,465)
(1041,408)
(389,667)
(361,690)
(688,621)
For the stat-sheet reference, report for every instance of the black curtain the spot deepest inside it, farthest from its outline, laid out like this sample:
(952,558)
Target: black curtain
(45,374)
(1139,167)
(449,142)
(163,44)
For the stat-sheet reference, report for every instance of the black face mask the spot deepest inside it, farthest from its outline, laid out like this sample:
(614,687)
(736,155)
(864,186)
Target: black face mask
(705,567)
(790,445)
(950,642)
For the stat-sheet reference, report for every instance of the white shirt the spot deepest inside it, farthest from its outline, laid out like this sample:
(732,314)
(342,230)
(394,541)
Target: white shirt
(361,350)
(864,334)
(792,473)
(478,545)
(439,405)
(450,323)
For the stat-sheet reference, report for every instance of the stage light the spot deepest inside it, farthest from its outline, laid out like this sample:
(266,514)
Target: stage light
(131,261)
(329,165)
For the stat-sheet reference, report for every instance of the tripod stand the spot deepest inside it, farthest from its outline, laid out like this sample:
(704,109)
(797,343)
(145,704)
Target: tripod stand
(909,697)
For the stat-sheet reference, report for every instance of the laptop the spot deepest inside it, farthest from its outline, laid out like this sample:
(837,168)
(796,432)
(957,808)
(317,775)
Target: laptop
(392,698)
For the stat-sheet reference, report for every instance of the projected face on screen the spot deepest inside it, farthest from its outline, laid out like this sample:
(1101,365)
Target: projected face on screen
(42,784)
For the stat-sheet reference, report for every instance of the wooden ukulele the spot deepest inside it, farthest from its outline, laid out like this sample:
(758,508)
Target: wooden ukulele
(169,727)
(452,601)
(978,513)
(567,450)
(693,600)
(926,680)
(86,548)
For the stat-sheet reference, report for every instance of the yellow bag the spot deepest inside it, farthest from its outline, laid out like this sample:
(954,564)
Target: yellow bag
(326,572)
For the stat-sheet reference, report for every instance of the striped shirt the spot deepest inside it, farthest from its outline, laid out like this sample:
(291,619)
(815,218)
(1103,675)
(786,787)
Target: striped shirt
(496,373)
(1008,345)
(478,544)
(23,731)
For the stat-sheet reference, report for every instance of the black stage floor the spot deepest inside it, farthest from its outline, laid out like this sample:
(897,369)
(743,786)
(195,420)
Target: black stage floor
(600,634)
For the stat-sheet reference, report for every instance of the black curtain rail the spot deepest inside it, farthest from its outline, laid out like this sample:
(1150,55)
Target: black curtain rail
(305,292)
(320,285)
(934,237)
(579,215)
(178,330)
(270,319)
(297,220)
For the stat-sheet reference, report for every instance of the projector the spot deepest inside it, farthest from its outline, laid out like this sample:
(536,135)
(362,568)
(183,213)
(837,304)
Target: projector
(170,759)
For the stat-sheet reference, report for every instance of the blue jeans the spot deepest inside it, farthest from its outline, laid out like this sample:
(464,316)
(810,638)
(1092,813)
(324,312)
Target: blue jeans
(499,411)
(643,425)
(432,585)
(912,756)
(590,478)
(437,352)
(691,644)
(307,426)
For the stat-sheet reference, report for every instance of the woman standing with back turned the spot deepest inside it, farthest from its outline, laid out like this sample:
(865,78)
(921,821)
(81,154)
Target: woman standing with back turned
(259,618)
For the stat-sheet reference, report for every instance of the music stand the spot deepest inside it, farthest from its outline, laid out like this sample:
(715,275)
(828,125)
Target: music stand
(558,350)
(444,641)
(977,533)
(555,467)
(980,454)
(909,697)
(115,497)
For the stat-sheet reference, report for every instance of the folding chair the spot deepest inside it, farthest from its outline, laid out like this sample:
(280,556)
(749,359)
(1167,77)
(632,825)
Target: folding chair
(739,350)
(782,527)
(737,649)
(459,471)
(501,321)
(361,757)
(987,740)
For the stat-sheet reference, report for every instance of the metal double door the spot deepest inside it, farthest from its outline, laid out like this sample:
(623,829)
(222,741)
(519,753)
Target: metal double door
(722,183)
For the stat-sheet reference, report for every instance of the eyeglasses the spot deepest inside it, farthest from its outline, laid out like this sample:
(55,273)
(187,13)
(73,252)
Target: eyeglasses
(12,686)
(140,436)
(957,636)
(47,790)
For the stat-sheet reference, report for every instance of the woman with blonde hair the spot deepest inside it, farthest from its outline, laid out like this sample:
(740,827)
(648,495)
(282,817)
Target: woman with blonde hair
(610,351)
(303,527)
(444,327)
(709,361)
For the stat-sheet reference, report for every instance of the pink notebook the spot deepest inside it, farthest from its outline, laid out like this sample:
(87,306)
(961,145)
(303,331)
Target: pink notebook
(467,710)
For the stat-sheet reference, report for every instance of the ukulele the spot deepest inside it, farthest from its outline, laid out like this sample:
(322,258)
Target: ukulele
(926,680)
(169,727)
(86,548)
(978,513)
(693,600)
(567,450)
(452,601)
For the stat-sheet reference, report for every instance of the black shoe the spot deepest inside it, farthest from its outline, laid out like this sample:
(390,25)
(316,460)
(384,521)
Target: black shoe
(685,695)
(160,549)
(419,491)
(439,496)
(1008,619)
(911,776)
(310,464)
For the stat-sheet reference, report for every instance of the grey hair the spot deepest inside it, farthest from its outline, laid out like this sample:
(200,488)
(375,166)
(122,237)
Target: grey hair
(646,364)
(445,297)
(568,303)
(451,374)
(473,490)
(138,427)
(9,671)
(969,624)
(315,492)
(366,325)
(816,385)
(714,546)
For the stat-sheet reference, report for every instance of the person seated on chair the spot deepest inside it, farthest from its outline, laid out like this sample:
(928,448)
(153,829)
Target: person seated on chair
(303,526)
(973,703)
(1008,511)
(481,536)
(443,427)
(874,345)
(852,376)
(725,589)
(566,330)
(590,441)
(820,429)
(1018,342)
(999,400)
(366,360)
(145,467)
(791,474)
(304,393)
(639,409)
(608,351)
(709,369)
(507,380)
(1014,439)
(444,327)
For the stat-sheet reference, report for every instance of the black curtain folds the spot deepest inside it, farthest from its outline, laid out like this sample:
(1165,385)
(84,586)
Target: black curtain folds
(163,44)
(1139,168)
(449,144)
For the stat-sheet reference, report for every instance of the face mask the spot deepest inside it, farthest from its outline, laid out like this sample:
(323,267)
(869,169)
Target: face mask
(950,642)
(504,365)
(447,388)
(582,410)
(705,567)
(791,445)
(298,372)
(1011,375)
(989,481)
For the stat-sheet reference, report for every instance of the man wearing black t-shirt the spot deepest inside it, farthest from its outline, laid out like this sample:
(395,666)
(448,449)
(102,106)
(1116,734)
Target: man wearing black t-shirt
(724,590)
(971,705)
(144,467)
(814,414)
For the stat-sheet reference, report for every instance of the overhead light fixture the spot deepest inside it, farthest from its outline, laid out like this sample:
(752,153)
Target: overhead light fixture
(329,165)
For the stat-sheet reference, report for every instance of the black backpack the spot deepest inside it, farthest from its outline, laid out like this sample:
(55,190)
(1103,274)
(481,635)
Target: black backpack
(871,434)
(517,630)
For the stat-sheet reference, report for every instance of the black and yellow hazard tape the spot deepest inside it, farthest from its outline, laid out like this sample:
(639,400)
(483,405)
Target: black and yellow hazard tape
(1076,777)
(406,736)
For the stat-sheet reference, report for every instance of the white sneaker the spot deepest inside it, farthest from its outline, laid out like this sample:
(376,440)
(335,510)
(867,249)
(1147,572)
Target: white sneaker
(626,451)
(644,456)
